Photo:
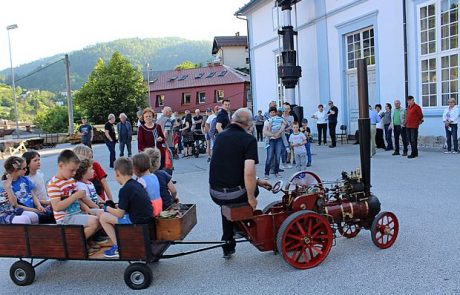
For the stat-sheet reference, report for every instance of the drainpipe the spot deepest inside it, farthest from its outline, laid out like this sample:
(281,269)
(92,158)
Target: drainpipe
(406,74)
(249,97)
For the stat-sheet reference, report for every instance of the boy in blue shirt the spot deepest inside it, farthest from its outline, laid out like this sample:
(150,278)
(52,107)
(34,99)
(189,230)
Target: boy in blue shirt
(133,204)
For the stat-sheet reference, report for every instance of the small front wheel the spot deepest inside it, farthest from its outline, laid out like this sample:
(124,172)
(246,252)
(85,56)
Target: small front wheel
(22,273)
(384,230)
(138,276)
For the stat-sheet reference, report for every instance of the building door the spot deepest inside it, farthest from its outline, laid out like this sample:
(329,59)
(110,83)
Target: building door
(359,44)
(352,95)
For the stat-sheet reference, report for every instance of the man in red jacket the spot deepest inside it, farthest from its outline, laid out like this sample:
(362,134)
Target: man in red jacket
(413,121)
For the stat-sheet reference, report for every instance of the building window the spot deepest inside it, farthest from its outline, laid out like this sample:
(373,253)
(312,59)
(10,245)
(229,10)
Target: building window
(360,44)
(428,29)
(280,87)
(277,18)
(210,75)
(200,97)
(186,98)
(449,24)
(449,78)
(218,95)
(222,73)
(438,49)
(183,77)
(429,82)
(160,101)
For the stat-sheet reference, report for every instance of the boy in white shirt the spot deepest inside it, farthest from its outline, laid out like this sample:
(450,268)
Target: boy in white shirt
(298,140)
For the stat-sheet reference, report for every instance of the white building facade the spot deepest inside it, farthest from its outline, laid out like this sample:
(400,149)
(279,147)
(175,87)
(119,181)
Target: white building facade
(334,34)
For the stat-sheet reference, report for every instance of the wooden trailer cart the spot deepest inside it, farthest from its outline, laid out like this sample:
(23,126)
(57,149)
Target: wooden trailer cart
(139,244)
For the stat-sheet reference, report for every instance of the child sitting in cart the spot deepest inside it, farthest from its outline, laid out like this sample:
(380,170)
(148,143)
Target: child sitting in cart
(134,204)
(19,189)
(83,176)
(168,191)
(150,182)
(65,198)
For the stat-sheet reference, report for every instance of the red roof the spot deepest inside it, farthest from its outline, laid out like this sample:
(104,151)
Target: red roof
(206,76)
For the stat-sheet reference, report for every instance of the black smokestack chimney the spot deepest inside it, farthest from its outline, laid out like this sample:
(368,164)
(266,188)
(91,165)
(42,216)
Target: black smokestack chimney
(364,125)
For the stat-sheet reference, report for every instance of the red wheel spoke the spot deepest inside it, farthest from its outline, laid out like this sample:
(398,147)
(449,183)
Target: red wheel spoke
(317,238)
(310,224)
(311,253)
(294,237)
(300,254)
(313,235)
(299,226)
(317,250)
(292,247)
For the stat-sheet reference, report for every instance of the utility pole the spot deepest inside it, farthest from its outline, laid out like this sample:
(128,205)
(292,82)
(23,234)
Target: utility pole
(69,94)
(148,84)
(8,28)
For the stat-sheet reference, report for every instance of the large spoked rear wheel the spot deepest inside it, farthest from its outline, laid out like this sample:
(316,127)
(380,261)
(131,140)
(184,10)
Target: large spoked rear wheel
(138,276)
(22,273)
(304,239)
(349,230)
(384,230)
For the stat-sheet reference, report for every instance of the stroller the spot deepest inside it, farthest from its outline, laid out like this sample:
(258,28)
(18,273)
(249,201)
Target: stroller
(199,146)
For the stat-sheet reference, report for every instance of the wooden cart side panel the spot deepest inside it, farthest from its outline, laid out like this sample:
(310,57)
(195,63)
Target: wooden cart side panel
(47,241)
(133,241)
(13,241)
(75,242)
(176,228)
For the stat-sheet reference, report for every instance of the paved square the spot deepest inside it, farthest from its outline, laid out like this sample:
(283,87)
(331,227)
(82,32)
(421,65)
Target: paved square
(422,192)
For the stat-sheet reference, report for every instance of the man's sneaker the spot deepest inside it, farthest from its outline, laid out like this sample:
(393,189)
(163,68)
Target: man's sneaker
(266,177)
(288,167)
(447,152)
(404,154)
(112,252)
(278,175)
(308,164)
(395,154)
(228,253)
(454,152)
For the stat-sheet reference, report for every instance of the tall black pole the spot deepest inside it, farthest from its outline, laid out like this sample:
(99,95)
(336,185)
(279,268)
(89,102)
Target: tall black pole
(364,125)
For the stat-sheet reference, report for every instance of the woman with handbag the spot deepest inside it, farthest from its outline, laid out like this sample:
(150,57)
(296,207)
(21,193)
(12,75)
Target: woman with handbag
(150,134)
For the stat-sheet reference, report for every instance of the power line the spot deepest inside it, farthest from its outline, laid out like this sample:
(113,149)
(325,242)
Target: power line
(38,70)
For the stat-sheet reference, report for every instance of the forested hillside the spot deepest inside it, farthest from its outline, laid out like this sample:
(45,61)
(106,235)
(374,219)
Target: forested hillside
(160,53)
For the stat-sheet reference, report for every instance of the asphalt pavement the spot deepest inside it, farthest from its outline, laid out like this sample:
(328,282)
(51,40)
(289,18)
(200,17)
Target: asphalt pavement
(422,192)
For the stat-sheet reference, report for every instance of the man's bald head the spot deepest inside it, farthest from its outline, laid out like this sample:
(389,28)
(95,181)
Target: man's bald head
(242,116)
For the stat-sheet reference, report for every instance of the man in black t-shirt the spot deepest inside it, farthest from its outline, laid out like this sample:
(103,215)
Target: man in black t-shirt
(223,117)
(332,120)
(232,173)
(110,137)
(198,119)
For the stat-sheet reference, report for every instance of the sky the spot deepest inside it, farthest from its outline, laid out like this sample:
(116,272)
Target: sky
(49,27)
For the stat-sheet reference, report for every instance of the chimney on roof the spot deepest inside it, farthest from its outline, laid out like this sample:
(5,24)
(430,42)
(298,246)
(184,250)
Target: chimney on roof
(237,34)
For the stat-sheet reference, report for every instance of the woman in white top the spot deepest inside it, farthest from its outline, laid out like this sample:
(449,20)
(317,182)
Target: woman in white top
(38,179)
(321,123)
(450,118)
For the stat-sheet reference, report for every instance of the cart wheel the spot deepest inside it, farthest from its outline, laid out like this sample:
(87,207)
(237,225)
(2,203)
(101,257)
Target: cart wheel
(138,276)
(384,230)
(22,273)
(304,239)
(349,230)
(267,209)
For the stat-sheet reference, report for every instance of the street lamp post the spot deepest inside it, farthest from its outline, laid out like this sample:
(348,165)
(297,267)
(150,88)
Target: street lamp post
(8,28)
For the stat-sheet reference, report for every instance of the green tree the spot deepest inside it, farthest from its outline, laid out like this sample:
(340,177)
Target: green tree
(54,119)
(185,65)
(115,87)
